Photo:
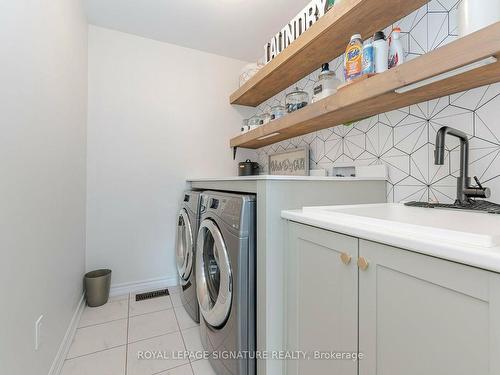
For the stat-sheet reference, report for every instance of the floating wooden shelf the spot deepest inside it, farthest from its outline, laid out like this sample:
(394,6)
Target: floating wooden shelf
(378,94)
(322,42)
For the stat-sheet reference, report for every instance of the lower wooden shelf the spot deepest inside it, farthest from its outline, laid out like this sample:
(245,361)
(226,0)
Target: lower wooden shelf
(393,89)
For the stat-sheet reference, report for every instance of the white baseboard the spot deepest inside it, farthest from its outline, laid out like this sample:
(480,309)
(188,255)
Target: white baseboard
(141,286)
(62,353)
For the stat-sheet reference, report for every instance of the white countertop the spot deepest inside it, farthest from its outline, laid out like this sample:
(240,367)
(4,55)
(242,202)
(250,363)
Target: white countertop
(466,237)
(285,178)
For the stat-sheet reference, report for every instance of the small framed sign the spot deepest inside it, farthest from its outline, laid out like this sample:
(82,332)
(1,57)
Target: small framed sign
(290,163)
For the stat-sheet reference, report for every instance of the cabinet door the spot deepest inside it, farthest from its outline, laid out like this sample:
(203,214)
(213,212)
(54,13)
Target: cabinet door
(422,315)
(321,298)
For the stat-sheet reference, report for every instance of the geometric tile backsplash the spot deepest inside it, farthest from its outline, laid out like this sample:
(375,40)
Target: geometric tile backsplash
(404,139)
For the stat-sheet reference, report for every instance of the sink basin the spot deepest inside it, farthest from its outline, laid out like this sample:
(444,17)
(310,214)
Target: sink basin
(468,228)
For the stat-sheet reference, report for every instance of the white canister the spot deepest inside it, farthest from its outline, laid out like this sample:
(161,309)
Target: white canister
(474,15)
(380,52)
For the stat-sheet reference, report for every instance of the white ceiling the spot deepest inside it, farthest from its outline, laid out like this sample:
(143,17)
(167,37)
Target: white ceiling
(233,28)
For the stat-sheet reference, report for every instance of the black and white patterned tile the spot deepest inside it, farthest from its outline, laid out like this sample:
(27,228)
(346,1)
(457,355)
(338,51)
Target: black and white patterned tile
(404,139)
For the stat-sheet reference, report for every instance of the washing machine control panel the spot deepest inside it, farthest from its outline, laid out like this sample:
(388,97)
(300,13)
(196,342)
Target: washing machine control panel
(231,212)
(191,200)
(214,203)
(228,209)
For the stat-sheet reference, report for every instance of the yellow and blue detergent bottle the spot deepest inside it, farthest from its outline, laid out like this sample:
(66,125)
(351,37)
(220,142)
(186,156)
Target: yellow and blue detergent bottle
(353,58)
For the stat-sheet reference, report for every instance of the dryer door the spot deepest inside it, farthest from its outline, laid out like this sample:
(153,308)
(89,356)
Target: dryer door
(184,246)
(214,284)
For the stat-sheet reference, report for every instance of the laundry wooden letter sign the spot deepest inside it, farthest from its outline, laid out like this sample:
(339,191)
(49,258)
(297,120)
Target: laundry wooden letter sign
(305,19)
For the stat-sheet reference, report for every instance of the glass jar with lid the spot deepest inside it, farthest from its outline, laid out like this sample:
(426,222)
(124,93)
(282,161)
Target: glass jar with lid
(277,112)
(265,118)
(296,100)
(254,121)
(327,84)
(249,71)
(244,126)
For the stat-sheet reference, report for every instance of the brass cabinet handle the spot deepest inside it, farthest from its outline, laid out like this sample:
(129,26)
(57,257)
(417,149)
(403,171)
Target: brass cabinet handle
(346,258)
(363,263)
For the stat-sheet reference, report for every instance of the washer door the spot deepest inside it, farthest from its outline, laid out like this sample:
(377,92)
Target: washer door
(184,246)
(214,284)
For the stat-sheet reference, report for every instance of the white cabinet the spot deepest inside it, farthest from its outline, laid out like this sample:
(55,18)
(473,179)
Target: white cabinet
(407,313)
(322,303)
(423,315)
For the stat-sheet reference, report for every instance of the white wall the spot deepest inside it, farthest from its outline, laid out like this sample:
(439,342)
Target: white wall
(43,108)
(158,114)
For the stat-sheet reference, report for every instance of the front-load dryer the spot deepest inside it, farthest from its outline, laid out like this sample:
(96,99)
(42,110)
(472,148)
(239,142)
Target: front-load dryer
(185,251)
(225,281)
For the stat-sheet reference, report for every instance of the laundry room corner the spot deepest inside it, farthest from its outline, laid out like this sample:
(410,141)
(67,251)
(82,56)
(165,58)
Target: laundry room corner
(142,146)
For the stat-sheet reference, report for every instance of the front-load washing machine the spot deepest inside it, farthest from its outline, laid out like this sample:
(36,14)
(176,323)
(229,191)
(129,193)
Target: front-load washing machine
(185,249)
(225,281)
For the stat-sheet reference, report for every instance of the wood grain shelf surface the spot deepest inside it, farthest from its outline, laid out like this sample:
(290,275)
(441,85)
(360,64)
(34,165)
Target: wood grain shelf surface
(322,42)
(377,94)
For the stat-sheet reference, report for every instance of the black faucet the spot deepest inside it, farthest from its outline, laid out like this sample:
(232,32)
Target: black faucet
(465,190)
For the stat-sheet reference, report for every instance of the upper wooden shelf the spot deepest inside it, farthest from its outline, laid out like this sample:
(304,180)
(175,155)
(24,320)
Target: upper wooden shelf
(322,42)
(379,93)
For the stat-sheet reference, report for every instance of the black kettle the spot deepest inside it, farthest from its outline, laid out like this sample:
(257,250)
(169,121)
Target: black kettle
(248,168)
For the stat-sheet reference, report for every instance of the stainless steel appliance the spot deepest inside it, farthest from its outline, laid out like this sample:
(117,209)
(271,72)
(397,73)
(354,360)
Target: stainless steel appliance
(225,279)
(187,230)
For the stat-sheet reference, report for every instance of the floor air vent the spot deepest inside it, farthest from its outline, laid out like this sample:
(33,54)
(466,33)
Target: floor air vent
(150,295)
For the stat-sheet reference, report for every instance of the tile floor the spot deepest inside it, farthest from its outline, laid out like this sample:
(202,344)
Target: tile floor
(109,338)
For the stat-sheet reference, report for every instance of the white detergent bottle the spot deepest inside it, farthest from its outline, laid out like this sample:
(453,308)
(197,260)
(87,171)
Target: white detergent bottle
(396,52)
(381,52)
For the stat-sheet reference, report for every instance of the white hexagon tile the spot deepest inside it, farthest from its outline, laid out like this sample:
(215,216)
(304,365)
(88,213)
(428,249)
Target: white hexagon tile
(404,139)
